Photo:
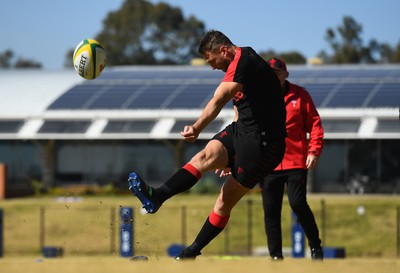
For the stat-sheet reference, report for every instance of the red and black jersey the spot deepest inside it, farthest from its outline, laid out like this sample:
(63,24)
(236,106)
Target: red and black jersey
(260,104)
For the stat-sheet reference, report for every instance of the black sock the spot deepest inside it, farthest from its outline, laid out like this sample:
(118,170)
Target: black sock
(207,233)
(181,181)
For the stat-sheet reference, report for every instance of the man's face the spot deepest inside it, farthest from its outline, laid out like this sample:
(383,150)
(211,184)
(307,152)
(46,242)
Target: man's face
(217,58)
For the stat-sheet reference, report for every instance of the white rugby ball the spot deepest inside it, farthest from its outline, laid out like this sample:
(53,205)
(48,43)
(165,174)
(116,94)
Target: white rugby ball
(89,59)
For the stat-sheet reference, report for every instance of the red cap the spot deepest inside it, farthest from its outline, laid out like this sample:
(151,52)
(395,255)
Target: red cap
(277,63)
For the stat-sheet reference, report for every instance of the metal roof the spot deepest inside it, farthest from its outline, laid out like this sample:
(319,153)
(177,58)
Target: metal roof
(27,92)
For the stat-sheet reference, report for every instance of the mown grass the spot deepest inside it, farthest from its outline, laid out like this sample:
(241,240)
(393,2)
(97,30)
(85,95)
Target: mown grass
(209,264)
(91,226)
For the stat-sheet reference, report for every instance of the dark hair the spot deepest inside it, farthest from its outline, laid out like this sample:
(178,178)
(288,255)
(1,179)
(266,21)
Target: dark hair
(212,39)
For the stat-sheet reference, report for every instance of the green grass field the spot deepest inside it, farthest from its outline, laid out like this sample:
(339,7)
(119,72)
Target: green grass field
(90,227)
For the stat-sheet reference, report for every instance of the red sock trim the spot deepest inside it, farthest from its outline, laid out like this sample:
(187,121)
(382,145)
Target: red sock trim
(192,170)
(218,220)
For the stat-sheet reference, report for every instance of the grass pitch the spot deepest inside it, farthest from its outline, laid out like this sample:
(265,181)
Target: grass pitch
(209,264)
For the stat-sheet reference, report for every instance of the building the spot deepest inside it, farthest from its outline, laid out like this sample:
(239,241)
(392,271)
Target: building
(59,129)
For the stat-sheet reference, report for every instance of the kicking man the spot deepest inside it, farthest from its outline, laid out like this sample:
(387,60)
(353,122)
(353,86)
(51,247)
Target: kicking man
(251,146)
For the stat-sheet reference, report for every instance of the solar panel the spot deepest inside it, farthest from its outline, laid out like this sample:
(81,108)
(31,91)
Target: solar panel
(192,87)
(193,96)
(319,91)
(120,75)
(388,126)
(388,95)
(64,127)
(341,126)
(214,127)
(76,97)
(350,95)
(153,97)
(10,126)
(342,73)
(161,73)
(114,97)
(129,126)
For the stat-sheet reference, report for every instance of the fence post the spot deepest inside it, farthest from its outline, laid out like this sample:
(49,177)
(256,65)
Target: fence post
(226,240)
(249,226)
(184,221)
(126,232)
(42,227)
(112,230)
(398,231)
(298,238)
(323,221)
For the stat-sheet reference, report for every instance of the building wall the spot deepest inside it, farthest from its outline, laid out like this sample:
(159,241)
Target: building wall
(359,166)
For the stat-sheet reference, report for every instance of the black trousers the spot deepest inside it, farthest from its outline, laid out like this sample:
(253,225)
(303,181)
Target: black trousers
(272,195)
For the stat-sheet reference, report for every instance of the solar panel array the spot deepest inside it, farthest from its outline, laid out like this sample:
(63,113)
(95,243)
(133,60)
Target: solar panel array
(191,88)
(387,126)
(64,127)
(129,126)
(352,87)
(341,126)
(10,126)
(214,127)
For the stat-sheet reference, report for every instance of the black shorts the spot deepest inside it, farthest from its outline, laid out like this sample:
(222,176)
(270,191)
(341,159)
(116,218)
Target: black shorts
(251,156)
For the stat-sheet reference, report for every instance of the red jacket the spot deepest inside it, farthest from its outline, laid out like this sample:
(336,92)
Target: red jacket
(301,118)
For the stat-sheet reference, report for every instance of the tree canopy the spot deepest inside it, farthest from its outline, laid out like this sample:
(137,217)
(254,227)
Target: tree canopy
(144,33)
(140,32)
(7,60)
(347,44)
(292,57)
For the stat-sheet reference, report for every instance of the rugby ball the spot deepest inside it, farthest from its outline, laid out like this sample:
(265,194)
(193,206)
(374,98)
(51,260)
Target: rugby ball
(89,59)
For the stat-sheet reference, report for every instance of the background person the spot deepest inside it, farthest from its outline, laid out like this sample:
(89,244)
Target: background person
(301,118)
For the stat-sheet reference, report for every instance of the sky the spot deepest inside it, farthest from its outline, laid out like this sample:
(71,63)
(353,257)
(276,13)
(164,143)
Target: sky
(44,30)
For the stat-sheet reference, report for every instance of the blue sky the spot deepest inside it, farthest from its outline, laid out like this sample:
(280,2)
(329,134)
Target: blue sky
(44,30)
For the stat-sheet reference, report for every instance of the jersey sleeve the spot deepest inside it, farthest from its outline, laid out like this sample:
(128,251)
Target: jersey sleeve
(236,71)
(313,125)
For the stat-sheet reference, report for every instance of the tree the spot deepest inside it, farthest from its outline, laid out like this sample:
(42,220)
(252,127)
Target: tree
(389,54)
(5,58)
(347,44)
(143,33)
(266,55)
(26,63)
(292,57)
(68,63)
(6,61)
(396,57)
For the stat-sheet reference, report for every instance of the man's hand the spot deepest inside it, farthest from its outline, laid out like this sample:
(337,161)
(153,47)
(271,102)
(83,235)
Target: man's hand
(190,133)
(224,172)
(311,162)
